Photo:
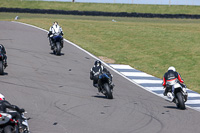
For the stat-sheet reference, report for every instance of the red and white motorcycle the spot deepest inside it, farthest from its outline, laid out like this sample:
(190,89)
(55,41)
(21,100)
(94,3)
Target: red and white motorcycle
(178,94)
(10,125)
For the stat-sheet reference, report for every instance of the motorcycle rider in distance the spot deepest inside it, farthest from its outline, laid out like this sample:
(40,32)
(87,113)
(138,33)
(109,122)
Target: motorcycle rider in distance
(54,30)
(3,51)
(170,75)
(4,105)
(96,70)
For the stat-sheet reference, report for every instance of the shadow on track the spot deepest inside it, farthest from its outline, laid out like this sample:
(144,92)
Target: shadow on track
(99,96)
(5,73)
(170,107)
(61,54)
(173,107)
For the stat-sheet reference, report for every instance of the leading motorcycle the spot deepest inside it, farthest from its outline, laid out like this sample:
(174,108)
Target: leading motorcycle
(9,125)
(104,84)
(179,93)
(56,42)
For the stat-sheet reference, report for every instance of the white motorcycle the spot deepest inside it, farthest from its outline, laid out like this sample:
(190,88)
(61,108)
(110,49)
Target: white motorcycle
(179,94)
(10,125)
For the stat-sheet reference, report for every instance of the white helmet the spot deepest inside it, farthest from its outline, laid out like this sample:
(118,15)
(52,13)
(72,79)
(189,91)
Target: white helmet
(172,68)
(2,97)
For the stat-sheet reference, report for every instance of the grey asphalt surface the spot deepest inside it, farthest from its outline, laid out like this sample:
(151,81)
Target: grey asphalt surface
(59,97)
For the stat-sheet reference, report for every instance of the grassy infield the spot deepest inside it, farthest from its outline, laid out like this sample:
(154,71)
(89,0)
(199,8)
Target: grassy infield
(149,45)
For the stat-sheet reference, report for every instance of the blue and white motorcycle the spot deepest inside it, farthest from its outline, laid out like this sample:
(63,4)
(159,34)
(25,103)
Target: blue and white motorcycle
(104,84)
(56,42)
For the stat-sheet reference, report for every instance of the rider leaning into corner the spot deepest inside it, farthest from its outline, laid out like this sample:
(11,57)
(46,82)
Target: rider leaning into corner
(170,75)
(55,29)
(4,105)
(3,51)
(96,70)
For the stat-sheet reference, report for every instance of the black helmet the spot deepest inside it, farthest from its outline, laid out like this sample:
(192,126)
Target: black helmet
(97,63)
(55,23)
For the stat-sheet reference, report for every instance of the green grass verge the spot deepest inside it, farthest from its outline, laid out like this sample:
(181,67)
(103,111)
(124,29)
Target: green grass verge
(163,9)
(149,45)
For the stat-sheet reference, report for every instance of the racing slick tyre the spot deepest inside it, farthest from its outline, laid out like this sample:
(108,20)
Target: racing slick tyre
(108,91)
(8,129)
(58,48)
(181,103)
(1,68)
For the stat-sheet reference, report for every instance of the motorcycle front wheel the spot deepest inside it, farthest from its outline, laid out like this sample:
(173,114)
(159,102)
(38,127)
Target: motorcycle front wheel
(108,91)
(8,129)
(58,48)
(1,68)
(181,103)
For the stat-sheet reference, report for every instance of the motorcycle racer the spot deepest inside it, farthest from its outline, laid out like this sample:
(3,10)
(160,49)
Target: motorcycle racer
(171,75)
(96,70)
(4,105)
(55,29)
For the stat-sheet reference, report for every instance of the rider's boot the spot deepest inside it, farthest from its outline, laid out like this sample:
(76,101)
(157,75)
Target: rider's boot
(95,85)
(184,90)
(21,130)
(61,43)
(170,96)
(112,85)
(99,90)
(185,93)
(52,46)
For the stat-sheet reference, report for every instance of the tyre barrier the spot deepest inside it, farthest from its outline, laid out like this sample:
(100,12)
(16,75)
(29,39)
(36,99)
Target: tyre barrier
(98,13)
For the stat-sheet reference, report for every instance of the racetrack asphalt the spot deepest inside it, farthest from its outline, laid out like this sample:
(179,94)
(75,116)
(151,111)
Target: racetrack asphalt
(59,97)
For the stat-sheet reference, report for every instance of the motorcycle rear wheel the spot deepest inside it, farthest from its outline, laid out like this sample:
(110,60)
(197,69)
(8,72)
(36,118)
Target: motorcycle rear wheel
(181,103)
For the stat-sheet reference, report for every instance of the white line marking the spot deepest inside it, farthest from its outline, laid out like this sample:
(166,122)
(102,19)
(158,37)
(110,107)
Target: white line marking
(193,102)
(138,74)
(196,108)
(121,66)
(193,95)
(139,81)
(155,88)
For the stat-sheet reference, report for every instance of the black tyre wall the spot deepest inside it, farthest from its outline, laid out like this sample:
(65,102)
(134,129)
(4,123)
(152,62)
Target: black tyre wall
(99,13)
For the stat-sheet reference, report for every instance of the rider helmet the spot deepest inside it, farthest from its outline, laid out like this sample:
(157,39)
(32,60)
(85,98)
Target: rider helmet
(172,68)
(2,97)
(55,23)
(97,63)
